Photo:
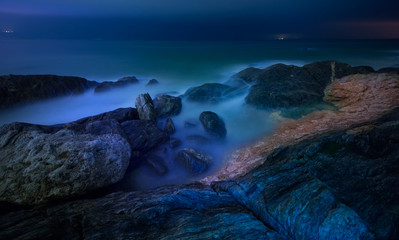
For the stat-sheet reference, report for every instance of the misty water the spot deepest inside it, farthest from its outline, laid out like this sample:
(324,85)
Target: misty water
(177,66)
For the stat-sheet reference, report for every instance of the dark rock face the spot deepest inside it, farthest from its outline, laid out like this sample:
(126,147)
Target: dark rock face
(210,93)
(198,139)
(120,115)
(108,85)
(213,124)
(343,185)
(152,82)
(144,135)
(39,164)
(16,89)
(145,107)
(166,106)
(169,127)
(394,70)
(282,86)
(194,161)
(174,143)
(188,212)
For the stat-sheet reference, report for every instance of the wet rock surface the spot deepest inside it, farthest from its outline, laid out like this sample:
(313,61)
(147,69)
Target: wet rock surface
(166,105)
(213,124)
(15,89)
(40,164)
(193,160)
(145,107)
(108,85)
(210,93)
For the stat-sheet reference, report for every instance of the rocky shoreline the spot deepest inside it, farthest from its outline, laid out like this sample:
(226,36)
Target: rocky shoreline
(331,174)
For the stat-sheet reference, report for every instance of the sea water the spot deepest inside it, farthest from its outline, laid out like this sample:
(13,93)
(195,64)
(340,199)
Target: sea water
(177,66)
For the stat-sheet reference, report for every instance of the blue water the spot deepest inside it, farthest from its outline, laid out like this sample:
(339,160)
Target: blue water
(177,66)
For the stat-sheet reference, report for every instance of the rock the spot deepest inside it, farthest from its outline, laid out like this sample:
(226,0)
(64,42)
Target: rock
(42,163)
(145,107)
(213,124)
(190,124)
(166,106)
(120,115)
(194,161)
(152,82)
(169,127)
(144,135)
(16,89)
(157,164)
(394,70)
(174,143)
(184,212)
(282,86)
(210,93)
(198,139)
(108,85)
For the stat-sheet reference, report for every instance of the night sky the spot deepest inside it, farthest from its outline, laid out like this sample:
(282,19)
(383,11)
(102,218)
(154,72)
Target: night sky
(199,19)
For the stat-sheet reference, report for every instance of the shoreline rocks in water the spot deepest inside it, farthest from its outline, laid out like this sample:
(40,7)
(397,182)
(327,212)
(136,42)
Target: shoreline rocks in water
(213,124)
(108,85)
(19,89)
(328,175)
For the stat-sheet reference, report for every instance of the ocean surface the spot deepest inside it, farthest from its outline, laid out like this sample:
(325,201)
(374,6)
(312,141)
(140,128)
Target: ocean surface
(177,66)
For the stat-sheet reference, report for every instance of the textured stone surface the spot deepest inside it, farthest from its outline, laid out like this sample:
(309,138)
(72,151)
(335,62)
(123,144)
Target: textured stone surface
(361,98)
(169,127)
(108,85)
(193,160)
(16,89)
(213,124)
(166,106)
(39,164)
(187,212)
(120,115)
(145,107)
(282,86)
(210,93)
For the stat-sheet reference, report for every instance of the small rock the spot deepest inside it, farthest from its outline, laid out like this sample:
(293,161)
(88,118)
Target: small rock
(198,139)
(145,107)
(194,161)
(213,124)
(122,82)
(152,82)
(166,105)
(157,164)
(169,126)
(210,93)
(174,143)
(190,124)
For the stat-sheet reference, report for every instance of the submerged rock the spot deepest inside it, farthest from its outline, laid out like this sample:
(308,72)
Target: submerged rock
(174,143)
(213,124)
(198,140)
(166,106)
(145,107)
(39,164)
(152,82)
(194,161)
(108,85)
(15,89)
(157,164)
(169,127)
(210,93)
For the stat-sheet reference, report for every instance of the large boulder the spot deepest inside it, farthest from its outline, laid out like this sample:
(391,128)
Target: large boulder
(213,124)
(42,163)
(193,160)
(210,93)
(109,85)
(145,107)
(15,89)
(166,106)
(120,115)
(282,86)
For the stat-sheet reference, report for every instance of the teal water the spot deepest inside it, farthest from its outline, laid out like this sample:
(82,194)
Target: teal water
(177,66)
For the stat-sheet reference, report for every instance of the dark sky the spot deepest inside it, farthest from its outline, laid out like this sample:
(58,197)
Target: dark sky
(200,19)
